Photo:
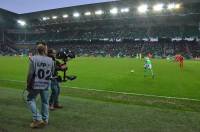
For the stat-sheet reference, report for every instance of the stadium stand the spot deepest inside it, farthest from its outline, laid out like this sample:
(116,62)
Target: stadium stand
(122,31)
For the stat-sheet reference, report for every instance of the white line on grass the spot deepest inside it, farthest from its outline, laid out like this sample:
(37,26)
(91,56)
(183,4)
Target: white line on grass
(114,92)
(12,80)
(147,95)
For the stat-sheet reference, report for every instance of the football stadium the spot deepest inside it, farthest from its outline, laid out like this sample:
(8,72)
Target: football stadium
(116,66)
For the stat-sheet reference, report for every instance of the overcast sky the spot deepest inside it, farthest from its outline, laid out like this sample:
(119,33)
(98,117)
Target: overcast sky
(26,6)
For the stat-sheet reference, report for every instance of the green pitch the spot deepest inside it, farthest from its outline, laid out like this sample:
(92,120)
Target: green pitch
(108,111)
(114,74)
(82,115)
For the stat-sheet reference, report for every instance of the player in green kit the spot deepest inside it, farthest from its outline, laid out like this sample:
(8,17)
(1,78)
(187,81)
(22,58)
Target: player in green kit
(148,67)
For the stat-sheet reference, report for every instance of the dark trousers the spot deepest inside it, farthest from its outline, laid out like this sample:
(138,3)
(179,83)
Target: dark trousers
(55,91)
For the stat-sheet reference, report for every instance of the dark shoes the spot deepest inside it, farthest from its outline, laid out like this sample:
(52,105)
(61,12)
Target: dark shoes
(53,107)
(58,106)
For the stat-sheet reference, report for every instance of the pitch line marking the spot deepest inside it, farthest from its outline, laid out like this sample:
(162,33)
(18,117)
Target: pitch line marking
(12,80)
(114,92)
(147,95)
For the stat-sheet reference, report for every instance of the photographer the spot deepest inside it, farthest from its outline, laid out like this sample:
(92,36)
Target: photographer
(53,102)
(40,71)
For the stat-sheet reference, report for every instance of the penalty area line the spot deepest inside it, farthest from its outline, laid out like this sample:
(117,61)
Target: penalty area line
(115,92)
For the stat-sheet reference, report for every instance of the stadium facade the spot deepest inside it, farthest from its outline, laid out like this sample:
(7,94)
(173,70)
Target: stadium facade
(161,27)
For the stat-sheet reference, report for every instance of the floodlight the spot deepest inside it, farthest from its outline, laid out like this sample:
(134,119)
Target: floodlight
(54,17)
(21,22)
(177,6)
(45,18)
(65,16)
(158,7)
(171,6)
(143,8)
(99,12)
(76,14)
(87,13)
(114,11)
(125,10)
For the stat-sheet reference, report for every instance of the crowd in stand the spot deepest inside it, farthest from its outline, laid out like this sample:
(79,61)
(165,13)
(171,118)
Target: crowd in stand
(118,41)
(126,49)
(7,50)
(157,49)
(108,33)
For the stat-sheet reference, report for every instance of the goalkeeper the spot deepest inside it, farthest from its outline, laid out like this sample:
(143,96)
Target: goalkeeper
(148,67)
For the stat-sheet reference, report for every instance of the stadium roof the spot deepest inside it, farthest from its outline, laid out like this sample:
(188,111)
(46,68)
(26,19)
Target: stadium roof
(36,18)
(7,18)
(33,6)
(27,6)
(105,6)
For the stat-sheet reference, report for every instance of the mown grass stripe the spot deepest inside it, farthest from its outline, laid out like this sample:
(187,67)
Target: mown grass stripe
(115,92)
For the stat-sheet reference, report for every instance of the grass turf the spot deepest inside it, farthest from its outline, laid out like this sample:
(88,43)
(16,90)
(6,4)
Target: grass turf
(115,115)
(114,74)
(82,115)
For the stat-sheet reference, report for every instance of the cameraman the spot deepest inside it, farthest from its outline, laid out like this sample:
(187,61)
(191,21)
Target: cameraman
(53,102)
(40,70)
